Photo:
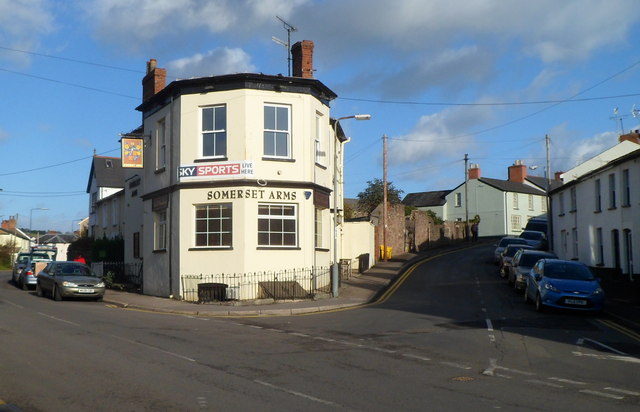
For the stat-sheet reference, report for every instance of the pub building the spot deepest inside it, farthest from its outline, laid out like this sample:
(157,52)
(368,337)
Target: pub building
(237,177)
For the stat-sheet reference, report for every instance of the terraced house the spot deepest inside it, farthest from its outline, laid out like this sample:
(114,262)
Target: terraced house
(238,176)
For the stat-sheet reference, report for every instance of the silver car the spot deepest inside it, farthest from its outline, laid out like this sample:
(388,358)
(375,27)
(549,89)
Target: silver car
(521,265)
(26,271)
(64,279)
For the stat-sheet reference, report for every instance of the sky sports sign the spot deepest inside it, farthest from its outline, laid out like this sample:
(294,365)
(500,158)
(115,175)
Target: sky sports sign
(216,170)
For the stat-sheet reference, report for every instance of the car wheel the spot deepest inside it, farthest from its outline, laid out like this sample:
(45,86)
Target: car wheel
(515,287)
(539,306)
(23,284)
(39,290)
(99,298)
(56,293)
(526,296)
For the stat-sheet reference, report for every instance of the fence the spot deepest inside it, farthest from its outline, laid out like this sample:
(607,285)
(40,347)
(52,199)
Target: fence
(289,284)
(120,272)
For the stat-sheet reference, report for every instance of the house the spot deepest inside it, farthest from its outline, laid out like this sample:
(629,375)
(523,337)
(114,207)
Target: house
(105,188)
(434,201)
(60,241)
(238,176)
(12,236)
(596,212)
(503,206)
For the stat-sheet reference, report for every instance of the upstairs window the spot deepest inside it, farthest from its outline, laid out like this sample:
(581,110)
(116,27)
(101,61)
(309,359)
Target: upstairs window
(458,200)
(161,145)
(277,131)
(612,191)
(626,188)
(214,131)
(515,201)
(530,202)
(574,204)
(598,196)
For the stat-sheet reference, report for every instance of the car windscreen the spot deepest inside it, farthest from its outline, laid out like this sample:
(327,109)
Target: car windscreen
(512,241)
(71,269)
(530,259)
(511,250)
(540,226)
(531,235)
(23,258)
(567,271)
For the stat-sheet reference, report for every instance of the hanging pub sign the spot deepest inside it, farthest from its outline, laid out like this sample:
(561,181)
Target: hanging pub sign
(132,152)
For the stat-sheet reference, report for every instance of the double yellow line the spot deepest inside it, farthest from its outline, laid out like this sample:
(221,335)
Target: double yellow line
(621,329)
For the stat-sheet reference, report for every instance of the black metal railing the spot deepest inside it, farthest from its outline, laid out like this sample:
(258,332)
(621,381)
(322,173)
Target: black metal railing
(119,272)
(291,284)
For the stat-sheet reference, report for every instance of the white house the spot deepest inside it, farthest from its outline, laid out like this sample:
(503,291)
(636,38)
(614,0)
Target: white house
(596,213)
(238,176)
(504,206)
(105,188)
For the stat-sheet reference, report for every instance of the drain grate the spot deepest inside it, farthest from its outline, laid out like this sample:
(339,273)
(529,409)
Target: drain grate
(462,379)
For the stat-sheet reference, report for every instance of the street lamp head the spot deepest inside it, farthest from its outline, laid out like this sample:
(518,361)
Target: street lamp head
(362,117)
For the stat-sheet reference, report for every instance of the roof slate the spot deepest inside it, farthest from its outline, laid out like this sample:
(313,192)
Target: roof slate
(108,172)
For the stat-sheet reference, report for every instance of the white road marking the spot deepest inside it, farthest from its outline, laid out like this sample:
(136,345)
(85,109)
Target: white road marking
(455,365)
(563,380)
(493,364)
(58,319)
(256,327)
(324,339)
(381,349)
(409,355)
(607,357)
(603,394)
(489,325)
(553,385)
(300,394)
(302,335)
(603,346)
(515,371)
(274,330)
(623,391)
(13,304)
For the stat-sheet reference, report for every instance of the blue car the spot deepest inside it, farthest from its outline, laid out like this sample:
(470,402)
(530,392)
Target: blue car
(563,284)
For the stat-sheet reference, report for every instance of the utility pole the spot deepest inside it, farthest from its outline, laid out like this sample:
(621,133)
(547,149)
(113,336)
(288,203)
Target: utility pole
(384,198)
(466,191)
(549,229)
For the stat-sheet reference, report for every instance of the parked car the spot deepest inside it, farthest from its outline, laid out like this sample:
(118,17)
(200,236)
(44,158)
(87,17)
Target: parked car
(507,240)
(65,279)
(563,284)
(521,265)
(507,256)
(18,265)
(26,276)
(538,240)
(538,224)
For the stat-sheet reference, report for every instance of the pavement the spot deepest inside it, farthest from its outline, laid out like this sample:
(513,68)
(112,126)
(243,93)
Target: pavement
(359,290)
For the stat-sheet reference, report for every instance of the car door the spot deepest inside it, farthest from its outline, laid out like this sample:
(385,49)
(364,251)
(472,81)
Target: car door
(536,274)
(45,278)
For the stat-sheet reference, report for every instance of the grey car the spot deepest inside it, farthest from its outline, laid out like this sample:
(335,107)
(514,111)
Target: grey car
(507,240)
(64,279)
(521,265)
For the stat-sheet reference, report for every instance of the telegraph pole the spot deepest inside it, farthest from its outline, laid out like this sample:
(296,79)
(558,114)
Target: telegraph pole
(466,191)
(384,198)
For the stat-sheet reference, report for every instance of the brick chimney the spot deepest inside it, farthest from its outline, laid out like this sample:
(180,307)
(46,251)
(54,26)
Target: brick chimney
(474,171)
(153,81)
(302,59)
(517,172)
(558,176)
(9,224)
(632,137)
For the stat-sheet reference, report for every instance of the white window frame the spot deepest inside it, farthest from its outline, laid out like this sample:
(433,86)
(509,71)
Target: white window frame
(515,201)
(161,144)
(160,230)
(458,199)
(318,232)
(269,131)
(530,202)
(215,227)
(218,153)
(515,223)
(320,142)
(275,225)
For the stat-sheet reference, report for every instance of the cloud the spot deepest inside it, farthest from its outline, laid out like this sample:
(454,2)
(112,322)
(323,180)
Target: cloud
(214,62)
(569,150)
(136,25)
(22,25)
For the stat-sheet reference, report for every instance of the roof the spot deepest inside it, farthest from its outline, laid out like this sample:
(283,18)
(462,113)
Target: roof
(541,182)
(513,187)
(629,156)
(423,199)
(108,172)
(18,233)
(280,84)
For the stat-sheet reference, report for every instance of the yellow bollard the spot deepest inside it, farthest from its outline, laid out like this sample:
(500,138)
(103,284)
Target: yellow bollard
(389,249)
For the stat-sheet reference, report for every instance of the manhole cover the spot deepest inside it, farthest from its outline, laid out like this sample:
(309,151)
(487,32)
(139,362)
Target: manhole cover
(462,379)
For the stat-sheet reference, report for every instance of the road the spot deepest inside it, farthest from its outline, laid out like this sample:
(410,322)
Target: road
(452,336)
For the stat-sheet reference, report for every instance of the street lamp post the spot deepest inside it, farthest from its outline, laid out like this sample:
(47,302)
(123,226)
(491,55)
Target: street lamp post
(31,215)
(334,268)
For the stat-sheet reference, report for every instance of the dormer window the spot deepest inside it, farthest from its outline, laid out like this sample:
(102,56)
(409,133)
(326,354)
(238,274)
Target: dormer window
(108,163)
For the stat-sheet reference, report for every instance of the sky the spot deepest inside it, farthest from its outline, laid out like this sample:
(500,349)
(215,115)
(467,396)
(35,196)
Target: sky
(441,79)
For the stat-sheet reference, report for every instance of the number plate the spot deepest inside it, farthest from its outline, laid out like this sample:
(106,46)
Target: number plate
(575,302)
(85,290)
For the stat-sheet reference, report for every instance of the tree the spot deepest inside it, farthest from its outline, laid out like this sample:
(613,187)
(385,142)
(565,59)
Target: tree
(373,195)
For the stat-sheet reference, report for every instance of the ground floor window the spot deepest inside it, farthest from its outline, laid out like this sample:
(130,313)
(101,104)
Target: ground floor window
(214,225)
(277,225)
(515,223)
(136,245)
(160,230)
(318,227)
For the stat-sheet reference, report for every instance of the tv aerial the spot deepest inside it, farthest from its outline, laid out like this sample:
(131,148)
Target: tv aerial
(289,28)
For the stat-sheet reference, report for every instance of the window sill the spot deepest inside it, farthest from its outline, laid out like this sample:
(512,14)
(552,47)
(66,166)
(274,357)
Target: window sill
(198,248)
(573,211)
(626,206)
(612,208)
(161,170)
(211,159)
(278,159)
(160,251)
(278,248)
(321,249)
(597,211)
